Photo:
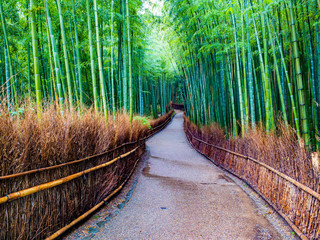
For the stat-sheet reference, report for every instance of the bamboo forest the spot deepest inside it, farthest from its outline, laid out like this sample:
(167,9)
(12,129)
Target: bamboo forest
(92,90)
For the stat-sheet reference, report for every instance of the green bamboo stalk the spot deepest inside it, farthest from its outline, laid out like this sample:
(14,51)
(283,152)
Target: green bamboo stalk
(112,64)
(140,90)
(93,73)
(292,100)
(238,77)
(29,72)
(55,56)
(78,56)
(250,72)
(270,124)
(283,108)
(102,86)
(8,54)
(7,79)
(129,64)
(36,64)
(244,73)
(65,55)
(124,59)
(232,99)
(301,91)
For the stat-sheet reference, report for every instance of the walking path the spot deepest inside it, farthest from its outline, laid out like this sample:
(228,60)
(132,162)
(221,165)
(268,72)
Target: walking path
(181,195)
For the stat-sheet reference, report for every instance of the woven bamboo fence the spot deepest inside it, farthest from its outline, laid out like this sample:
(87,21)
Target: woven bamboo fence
(37,203)
(177,106)
(297,203)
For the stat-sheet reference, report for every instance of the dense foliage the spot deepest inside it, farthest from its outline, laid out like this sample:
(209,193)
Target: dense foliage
(242,63)
(82,53)
(249,62)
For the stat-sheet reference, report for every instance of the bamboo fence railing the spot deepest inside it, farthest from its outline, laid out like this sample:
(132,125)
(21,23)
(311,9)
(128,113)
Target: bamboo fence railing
(298,204)
(36,212)
(177,106)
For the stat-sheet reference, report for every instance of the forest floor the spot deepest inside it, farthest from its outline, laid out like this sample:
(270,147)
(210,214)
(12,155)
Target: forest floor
(176,193)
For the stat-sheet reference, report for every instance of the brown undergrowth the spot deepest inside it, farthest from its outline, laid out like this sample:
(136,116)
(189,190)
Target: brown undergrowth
(281,151)
(28,143)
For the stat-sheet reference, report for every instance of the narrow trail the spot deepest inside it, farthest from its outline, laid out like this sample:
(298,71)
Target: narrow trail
(181,195)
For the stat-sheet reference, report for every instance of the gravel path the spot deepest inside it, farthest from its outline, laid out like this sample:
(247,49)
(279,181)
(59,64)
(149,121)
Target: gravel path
(181,195)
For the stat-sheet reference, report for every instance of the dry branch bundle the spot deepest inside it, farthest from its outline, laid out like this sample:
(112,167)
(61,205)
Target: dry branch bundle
(281,151)
(27,143)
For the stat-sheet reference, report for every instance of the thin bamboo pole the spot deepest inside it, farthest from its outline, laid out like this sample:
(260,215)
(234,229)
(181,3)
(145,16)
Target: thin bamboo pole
(65,54)
(39,188)
(102,85)
(129,64)
(36,60)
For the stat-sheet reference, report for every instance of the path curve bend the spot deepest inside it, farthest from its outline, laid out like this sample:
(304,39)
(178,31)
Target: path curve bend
(181,195)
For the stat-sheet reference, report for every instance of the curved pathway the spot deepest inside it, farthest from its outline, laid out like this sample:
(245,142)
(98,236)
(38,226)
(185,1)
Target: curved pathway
(181,195)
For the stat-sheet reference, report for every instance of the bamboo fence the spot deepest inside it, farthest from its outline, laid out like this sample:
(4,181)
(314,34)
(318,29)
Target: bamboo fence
(298,204)
(177,106)
(37,203)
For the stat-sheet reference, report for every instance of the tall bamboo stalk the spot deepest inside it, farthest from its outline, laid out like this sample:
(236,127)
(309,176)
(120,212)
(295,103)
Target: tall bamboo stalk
(36,65)
(301,92)
(102,86)
(65,54)
(55,55)
(92,63)
(129,64)
(112,64)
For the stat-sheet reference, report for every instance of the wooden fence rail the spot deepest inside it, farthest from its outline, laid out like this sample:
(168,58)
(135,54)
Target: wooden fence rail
(306,198)
(31,213)
(177,106)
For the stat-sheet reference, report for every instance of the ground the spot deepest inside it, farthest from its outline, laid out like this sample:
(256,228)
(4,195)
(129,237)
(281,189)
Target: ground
(178,194)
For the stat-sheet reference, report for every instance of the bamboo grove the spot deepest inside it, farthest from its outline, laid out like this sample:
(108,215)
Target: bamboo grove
(249,63)
(80,53)
(242,63)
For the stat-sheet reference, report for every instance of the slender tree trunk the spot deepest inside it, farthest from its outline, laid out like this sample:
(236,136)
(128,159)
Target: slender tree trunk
(36,64)
(301,91)
(124,59)
(102,86)
(112,64)
(238,78)
(78,58)
(65,55)
(93,71)
(130,67)
(55,57)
